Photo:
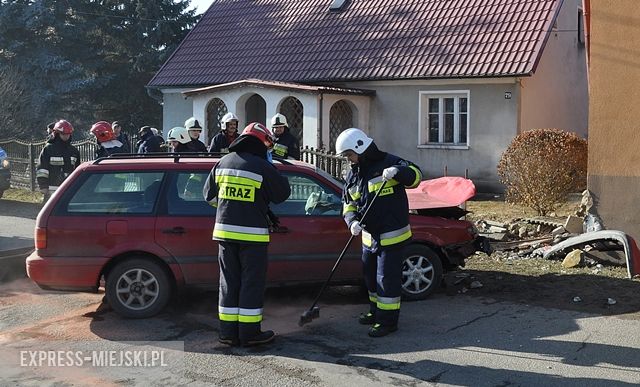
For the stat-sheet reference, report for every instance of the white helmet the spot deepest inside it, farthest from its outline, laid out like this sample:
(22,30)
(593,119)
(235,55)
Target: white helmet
(353,139)
(192,124)
(279,120)
(179,134)
(226,118)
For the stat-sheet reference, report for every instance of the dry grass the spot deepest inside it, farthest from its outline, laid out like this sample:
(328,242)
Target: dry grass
(22,195)
(497,209)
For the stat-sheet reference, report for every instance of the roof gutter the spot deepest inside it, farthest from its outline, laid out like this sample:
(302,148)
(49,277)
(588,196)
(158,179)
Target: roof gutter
(156,94)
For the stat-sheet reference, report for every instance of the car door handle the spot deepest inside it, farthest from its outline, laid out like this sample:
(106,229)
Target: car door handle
(280,229)
(175,230)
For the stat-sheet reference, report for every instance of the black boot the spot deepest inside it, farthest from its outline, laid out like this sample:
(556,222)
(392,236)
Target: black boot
(378,330)
(231,341)
(261,338)
(367,318)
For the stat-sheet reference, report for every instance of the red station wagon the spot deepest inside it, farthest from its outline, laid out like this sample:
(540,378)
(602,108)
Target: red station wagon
(140,223)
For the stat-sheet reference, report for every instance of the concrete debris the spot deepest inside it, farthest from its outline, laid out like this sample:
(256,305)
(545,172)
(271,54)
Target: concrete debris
(573,224)
(573,259)
(611,301)
(577,299)
(546,237)
(558,231)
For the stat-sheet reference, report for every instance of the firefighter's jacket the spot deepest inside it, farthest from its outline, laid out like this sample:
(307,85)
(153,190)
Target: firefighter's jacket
(242,185)
(57,160)
(196,146)
(220,142)
(387,223)
(287,146)
(108,148)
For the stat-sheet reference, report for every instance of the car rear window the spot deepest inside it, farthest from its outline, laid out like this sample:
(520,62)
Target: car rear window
(117,193)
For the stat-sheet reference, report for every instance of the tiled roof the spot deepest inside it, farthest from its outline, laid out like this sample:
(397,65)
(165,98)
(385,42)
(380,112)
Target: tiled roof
(302,41)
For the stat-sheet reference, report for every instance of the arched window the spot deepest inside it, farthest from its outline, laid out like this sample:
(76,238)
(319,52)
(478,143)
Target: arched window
(292,108)
(215,110)
(340,118)
(256,109)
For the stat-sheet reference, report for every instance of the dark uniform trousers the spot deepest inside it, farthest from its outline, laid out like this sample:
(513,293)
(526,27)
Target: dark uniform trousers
(382,270)
(243,273)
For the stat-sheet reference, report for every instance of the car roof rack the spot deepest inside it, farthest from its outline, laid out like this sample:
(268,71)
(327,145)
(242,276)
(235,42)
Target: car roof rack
(158,155)
(176,156)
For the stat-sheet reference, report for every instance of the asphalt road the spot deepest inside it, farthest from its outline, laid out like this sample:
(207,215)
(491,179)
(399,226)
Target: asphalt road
(445,340)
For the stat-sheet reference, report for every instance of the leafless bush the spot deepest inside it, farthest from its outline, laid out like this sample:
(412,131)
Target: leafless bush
(14,102)
(542,166)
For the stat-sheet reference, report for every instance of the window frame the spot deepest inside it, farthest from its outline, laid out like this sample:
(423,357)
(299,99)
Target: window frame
(423,118)
(313,178)
(62,206)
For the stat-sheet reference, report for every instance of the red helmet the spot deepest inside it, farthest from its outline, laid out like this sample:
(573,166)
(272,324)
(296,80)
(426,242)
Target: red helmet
(103,132)
(261,132)
(63,127)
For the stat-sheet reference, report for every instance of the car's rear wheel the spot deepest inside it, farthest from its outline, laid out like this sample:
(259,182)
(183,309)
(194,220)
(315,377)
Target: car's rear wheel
(138,288)
(421,272)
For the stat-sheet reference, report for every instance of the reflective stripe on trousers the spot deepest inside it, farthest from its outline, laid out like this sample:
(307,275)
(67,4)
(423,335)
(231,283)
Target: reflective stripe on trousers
(240,233)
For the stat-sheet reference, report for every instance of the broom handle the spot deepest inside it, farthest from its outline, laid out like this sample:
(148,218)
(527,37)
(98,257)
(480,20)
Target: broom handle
(344,250)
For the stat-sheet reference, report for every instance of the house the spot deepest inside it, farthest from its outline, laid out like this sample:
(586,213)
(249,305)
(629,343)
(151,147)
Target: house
(614,75)
(444,83)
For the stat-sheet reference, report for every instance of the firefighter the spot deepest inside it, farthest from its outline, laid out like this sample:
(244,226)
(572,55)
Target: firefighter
(106,138)
(121,136)
(241,186)
(148,142)
(386,229)
(178,138)
(57,160)
(228,133)
(194,128)
(286,145)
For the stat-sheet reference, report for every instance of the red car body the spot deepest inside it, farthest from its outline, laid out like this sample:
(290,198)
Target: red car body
(77,245)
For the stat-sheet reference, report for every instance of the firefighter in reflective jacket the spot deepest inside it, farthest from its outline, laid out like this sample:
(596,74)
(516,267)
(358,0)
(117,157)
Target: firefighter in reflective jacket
(57,160)
(286,145)
(386,229)
(241,186)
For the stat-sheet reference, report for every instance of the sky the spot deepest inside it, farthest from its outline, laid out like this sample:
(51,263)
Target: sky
(201,5)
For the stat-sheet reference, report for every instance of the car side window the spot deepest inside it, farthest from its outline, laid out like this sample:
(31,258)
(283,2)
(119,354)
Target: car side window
(117,193)
(184,196)
(308,197)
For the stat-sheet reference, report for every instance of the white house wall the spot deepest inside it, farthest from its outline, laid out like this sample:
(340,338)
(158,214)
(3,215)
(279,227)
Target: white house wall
(556,96)
(235,100)
(175,109)
(492,125)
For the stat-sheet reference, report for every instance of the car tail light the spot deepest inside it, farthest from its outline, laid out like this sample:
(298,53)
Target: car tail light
(41,238)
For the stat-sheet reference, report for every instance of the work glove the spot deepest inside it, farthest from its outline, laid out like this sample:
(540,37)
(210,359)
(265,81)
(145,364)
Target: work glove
(389,173)
(355,228)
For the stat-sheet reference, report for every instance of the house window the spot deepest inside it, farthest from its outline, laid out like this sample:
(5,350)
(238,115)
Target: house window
(340,118)
(215,110)
(444,118)
(292,108)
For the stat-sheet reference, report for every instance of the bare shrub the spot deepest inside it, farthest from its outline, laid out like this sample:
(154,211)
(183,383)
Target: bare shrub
(14,102)
(542,166)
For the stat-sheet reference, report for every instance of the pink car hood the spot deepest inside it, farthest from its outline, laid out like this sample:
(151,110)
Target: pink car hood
(441,192)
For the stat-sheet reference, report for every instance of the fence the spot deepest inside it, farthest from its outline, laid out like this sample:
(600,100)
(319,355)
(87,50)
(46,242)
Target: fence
(23,157)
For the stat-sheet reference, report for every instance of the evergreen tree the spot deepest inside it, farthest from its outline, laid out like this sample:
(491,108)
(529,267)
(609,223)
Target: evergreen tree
(89,60)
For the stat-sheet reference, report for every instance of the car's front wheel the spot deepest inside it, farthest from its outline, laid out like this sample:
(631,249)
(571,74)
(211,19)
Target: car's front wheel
(138,288)
(421,272)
